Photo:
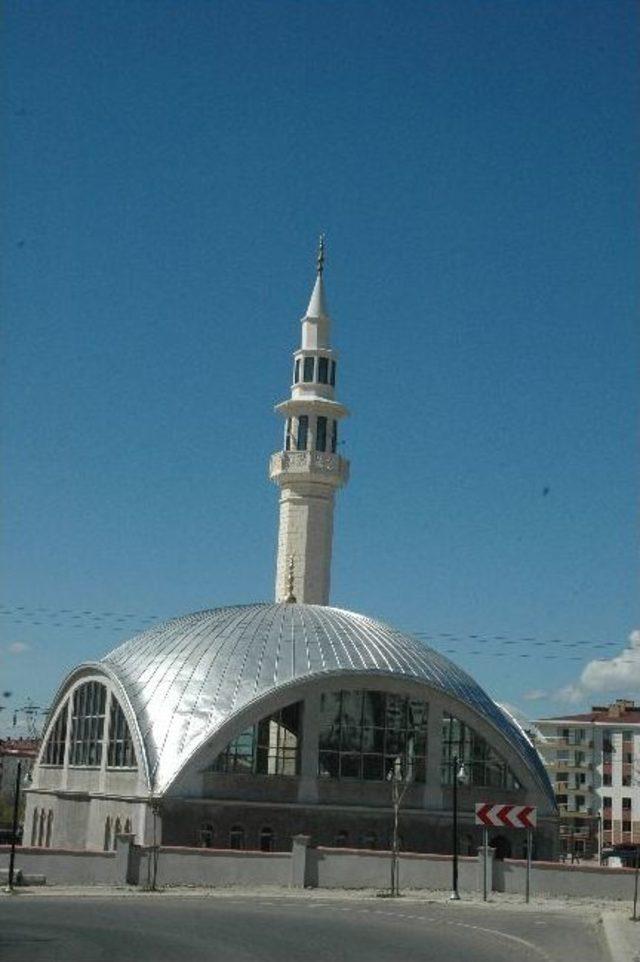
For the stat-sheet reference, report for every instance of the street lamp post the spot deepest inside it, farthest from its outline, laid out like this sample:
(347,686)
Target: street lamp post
(14,832)
(459,775)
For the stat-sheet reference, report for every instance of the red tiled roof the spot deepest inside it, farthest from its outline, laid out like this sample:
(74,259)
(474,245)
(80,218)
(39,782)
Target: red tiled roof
(624,718)
(27,747)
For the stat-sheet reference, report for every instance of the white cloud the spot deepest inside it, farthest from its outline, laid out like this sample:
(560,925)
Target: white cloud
(619,675)
(18,647)
(535,694)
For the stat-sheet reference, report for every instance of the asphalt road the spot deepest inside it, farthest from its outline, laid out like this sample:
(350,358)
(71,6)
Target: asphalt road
(261,929)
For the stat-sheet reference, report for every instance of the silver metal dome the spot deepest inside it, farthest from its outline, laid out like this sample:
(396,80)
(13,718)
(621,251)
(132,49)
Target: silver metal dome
(186,677)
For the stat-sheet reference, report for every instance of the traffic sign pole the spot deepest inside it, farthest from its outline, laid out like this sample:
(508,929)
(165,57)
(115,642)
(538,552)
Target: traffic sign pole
(528,883)
(485,845)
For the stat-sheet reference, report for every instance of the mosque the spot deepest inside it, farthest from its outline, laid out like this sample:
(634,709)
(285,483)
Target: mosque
(240,727)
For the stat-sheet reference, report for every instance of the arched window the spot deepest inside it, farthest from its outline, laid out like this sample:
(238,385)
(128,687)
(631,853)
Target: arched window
(272,747)
(41,828)
(481,762)
(334,437)
(364,734)
(323,370)
(87,724)
(236,837)
(127,827)
(266,840)
(307,369)
(303,431)
(206,835)
(117,830)
(54,750)
(120,752)
(296,375)
(47,840)
(333,374)
(321,433)
(107,834)
(368,840)
(34,827)
(287,435)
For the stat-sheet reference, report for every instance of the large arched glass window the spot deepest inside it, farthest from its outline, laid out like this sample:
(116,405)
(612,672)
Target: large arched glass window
(482,764)
(120,753)
(272,747)
(87,724)
(236,837)
(363,734)
(57,740)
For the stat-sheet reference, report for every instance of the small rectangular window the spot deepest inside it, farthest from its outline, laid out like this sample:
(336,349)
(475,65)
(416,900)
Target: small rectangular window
(626,826)
(303,431)
(334,436)
(333,374)
(323,370)
(321,434)
(606,778)
(309,363)
(287,435)
(626,804)
(296,376)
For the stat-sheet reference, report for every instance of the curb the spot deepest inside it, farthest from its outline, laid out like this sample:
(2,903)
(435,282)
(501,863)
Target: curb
(623,941)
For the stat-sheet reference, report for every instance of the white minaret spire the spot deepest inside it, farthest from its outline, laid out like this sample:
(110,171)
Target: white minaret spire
(309,469)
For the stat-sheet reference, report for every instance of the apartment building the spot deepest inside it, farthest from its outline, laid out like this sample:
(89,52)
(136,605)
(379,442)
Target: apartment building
(593,761)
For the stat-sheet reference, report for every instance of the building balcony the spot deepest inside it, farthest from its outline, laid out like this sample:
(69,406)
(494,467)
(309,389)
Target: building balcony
(318,466)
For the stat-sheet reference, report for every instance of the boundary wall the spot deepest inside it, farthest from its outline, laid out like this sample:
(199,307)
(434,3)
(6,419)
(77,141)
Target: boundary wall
(308,866)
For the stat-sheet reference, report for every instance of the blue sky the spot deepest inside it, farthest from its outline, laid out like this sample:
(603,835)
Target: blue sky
(473,166)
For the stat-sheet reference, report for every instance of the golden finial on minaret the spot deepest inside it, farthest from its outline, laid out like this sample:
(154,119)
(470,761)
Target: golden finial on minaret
(320,257)
(290,598)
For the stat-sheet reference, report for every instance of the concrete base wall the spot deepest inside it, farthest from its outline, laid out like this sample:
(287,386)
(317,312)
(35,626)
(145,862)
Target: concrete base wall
(328,868)
(552,878)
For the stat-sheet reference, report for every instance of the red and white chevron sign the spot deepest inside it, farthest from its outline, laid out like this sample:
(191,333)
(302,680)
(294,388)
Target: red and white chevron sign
(511,816)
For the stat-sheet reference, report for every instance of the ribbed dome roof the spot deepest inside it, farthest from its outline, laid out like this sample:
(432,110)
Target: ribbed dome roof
(186,677)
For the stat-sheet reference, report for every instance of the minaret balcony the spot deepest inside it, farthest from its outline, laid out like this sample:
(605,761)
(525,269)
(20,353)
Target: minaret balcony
(318,466)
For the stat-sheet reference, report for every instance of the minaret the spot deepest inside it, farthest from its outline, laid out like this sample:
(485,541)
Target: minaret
(309,469)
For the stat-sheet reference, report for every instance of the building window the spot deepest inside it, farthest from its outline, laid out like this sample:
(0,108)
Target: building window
(296,375)
(369,840)
(236,837)
(626,825)
(606,824)
(266,840)
(117,830)
(41,827)
(107,834)
(333,374)
(87,724)
(342,839)
(364,733)
(323,370)
(606,779)
(54,751)
(483,765)
(561,799)
(206,835)
(303,431)
(580,802)
(626,779)
(272,747)
(606,801)
(287,435)
(120,752)
(307,370)
(627,758)
(334,436)
(34,827)
(626,804)
(321,434)
(562,755)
